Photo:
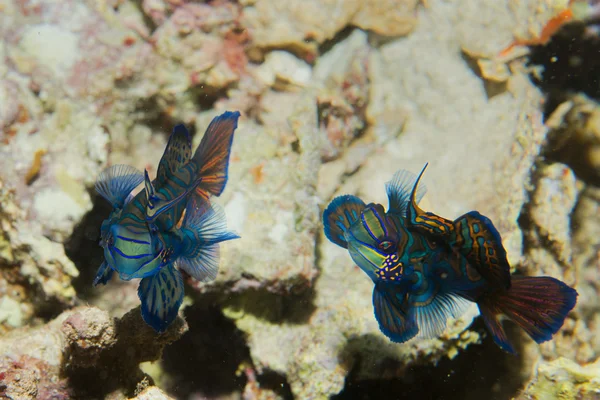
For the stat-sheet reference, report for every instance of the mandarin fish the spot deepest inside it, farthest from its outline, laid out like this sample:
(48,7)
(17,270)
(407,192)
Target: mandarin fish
(134,250)
(427,269)
(181,175)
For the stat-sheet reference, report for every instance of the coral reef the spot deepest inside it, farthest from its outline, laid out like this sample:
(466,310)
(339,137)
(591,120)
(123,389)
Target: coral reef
(335,97)
(563,379)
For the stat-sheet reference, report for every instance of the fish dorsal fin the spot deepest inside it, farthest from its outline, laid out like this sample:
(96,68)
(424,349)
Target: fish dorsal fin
(425,222)
(339,215)
(399,191)
(150,191)
(177,153)
(478,240)
(115,183)
(392,311)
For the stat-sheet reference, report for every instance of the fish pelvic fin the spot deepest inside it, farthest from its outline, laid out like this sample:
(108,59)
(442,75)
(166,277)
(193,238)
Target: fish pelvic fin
(342,212)
(103,275)
(393,313)
(212,155)
(161,295)
(204,227)
(539,305)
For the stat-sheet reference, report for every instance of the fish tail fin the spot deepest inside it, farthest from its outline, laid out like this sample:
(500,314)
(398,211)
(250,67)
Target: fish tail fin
(204,227)
(212,155)
(342,212)
(539,305)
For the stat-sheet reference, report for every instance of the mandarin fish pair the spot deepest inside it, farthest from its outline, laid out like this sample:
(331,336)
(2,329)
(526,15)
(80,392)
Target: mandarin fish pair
(426,268)
(172,223)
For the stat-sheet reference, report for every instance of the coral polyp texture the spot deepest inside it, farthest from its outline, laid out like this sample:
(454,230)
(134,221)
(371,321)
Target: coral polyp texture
(334,97)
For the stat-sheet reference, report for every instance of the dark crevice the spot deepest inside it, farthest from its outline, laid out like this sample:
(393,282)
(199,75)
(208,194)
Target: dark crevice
(295,145)
(327,45)
(147,20)
(276,308)
(150,113)
(271,380)
(48,308)
(83,249)
(206,96)
(479,372)
(569,62)
(492,88)
(205,361)
(566,147)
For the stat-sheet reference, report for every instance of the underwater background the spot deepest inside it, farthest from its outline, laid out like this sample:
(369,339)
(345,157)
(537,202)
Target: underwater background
(500,97)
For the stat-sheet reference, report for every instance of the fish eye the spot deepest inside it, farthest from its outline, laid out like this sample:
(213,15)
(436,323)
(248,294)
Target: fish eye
(386,245)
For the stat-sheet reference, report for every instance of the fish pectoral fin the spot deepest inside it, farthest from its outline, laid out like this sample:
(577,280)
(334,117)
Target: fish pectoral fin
(342,212)
(161,295)
(104,274)
(393,312)
(478,240)
(204,227)
(115,183)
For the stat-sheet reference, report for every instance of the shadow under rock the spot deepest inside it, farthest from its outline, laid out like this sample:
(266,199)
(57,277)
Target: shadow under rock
(83,248)
(479,372)
(206,359)
(116,369)
(570,62)
(273,307)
